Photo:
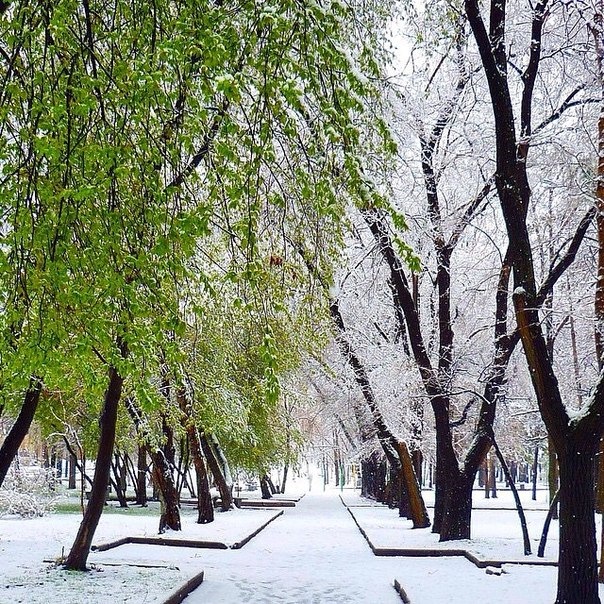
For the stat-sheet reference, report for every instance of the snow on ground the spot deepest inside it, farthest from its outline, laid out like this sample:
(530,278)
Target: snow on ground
(26,543)
(496,533)
(313,553)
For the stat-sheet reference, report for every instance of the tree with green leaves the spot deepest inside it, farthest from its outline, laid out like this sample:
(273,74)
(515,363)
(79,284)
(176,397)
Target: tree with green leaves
(126,128)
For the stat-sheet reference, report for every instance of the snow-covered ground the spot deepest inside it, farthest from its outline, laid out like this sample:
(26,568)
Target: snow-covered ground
(313,553)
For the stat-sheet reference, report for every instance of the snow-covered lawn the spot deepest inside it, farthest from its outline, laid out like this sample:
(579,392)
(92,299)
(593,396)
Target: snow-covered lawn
(147,576)
(496,532)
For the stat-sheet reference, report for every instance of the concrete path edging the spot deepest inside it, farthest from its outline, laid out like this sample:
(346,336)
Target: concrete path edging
(441,552)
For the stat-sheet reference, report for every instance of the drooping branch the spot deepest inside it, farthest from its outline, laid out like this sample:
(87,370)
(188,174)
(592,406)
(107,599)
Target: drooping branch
(204,147)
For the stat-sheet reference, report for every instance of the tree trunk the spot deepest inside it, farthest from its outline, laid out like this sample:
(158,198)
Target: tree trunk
(205,509)
(284,481)
(264,487)
(20,428)
(168,495)
(418,465)
(78,556)
(141,477)
(577,566)
(457,521)
(118,481)
(552,474)
(71,484)
(417,507)
(535,472)
(225,490)
(161,476)
(492,476)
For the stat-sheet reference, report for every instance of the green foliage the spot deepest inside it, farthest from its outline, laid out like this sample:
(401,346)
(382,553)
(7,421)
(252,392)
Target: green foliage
(153,157)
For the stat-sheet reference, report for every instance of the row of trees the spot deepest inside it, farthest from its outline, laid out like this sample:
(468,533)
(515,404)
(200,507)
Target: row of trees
(496,109)
(178,179)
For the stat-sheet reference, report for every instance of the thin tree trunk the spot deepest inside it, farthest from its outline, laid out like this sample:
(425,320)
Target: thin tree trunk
(552,475)
(141,476)
(535,470)
(117,481)
(81,467)
(78,555)
(519,509)
(284,481)
(553,507)
(71,484)
(161,475)
(492,477)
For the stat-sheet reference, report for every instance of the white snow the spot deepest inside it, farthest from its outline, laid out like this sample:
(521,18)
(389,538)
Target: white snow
(313,553)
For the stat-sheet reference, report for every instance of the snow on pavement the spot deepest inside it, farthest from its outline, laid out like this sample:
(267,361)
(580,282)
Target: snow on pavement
(313,554)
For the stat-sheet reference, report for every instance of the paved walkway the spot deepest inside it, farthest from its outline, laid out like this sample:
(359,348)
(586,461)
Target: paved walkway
(313,554)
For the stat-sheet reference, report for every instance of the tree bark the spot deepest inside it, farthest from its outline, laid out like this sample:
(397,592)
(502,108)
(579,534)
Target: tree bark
(78,555)
(205,509)
(577,570)
(71,484)
(20,428)
(225,490)
(391,446)
(552,475)
(284,481)
(264,487)
(141,477)
(161,476)
(163,480)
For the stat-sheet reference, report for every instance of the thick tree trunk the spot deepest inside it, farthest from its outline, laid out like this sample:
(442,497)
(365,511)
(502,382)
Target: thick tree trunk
(78,556)
(577,566)
(168,495)
(264,487)
(418,464)
(458,504)
(205,509)
(417,507)
(20,428)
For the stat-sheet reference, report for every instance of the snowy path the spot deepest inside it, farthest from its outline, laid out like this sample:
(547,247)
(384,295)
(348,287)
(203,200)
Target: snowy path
(313,554)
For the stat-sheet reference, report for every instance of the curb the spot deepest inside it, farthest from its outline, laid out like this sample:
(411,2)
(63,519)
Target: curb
(442,553)
(159,541)
(240,544)
(102,547)
(178,595)
(401,592)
